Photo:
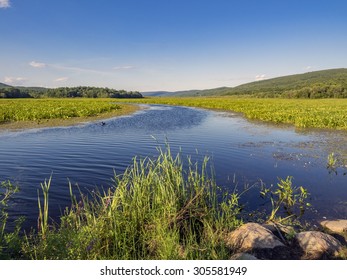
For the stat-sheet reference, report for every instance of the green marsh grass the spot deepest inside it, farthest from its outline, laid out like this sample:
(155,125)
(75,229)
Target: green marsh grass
(156,210)
(14,110)
(302,113)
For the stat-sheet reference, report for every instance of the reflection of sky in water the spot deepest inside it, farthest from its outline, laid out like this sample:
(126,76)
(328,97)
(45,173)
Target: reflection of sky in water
(89,153)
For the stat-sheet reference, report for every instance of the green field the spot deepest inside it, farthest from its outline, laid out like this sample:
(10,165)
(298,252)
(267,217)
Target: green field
(317,113)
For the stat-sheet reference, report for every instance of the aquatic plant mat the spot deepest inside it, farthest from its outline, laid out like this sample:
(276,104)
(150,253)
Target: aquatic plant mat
(36,113)
(317,113)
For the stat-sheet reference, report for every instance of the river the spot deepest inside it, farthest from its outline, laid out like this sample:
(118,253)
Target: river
(242,153)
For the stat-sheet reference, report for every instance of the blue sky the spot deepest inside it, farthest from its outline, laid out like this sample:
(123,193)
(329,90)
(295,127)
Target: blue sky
(167,45)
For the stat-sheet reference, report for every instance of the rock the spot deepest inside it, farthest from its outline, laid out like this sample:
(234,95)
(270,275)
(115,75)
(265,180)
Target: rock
(338,226)
(252,236)
(243,256)
(315,244)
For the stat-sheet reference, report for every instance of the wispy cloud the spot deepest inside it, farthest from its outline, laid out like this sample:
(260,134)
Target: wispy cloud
(36,64)
(15,80)
(78,69)
(5,4)
(125,67)
(308,68)
(260,77)
(61,79)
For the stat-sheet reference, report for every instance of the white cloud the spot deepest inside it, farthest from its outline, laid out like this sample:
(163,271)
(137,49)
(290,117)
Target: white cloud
(36,64)
(260,77)
(5,4)
(15,80)
(126,67)
(61,79)
(308,68)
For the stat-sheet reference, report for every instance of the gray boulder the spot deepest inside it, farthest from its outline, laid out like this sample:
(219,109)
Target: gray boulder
(259,241)
(252,236)
(315,244)
(338,226)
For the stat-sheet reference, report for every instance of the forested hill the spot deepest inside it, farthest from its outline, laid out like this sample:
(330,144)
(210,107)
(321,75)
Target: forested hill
(3,85)
(318,84)
(64,92)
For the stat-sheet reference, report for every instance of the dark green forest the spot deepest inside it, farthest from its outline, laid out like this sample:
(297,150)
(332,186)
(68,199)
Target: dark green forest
(65,92)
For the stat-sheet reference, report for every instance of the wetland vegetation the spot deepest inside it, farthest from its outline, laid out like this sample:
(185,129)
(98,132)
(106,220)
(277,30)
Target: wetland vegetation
(21,113)
(302,113)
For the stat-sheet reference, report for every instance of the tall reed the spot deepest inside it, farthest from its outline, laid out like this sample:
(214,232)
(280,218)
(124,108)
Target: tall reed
(157,209)
(43,211)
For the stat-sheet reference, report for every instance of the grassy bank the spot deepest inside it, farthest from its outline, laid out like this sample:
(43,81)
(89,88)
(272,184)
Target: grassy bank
(156,210)
(28,113)
(319,113)
(159,208)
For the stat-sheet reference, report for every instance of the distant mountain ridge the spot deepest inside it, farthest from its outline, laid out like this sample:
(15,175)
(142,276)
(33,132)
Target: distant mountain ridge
(324,83)
(4,85)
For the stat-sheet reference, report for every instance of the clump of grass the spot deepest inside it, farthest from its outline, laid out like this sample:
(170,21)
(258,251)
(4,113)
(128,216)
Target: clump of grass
(156,210)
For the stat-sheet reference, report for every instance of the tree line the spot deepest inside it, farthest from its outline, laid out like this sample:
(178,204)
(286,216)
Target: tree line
(67,92)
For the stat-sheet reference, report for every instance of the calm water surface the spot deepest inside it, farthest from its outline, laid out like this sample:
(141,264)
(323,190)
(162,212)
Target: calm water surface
(240,151)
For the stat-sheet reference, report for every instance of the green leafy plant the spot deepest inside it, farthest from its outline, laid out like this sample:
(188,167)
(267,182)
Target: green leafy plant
(332,161)
(7,190)
(287,197)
